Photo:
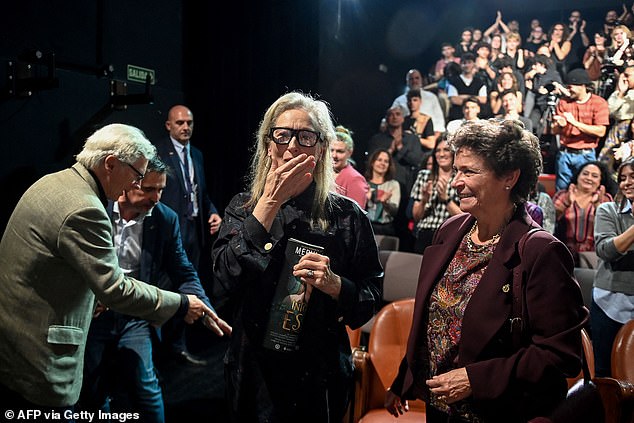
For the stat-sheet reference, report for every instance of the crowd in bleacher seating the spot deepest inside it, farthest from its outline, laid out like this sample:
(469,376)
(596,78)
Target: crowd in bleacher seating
(572,85)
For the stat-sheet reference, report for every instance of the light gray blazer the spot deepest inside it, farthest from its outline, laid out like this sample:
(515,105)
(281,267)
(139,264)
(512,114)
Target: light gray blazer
(56,256)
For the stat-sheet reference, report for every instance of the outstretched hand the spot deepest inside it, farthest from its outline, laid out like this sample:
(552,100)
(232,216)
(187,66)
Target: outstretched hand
(199,310)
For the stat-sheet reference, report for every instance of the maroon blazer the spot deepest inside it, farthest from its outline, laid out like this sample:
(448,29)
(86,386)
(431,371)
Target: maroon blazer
(509,383)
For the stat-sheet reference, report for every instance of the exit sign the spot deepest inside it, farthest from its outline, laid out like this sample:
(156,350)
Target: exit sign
(139,74)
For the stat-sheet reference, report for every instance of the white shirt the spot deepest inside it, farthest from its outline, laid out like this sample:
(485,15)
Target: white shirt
(453,125)
(429,106)
(128,241)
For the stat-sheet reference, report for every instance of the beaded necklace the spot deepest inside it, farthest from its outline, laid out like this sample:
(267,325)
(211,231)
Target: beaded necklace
(481,247)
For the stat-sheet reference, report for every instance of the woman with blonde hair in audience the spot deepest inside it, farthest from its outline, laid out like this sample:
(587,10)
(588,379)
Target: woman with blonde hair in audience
(613,292)
(513,50)
(384,195)
(621,52)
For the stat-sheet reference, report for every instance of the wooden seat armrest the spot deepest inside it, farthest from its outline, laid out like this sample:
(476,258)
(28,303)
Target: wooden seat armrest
(362,365)
(618,399)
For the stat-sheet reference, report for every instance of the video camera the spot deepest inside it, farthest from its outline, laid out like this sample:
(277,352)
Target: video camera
(550,87)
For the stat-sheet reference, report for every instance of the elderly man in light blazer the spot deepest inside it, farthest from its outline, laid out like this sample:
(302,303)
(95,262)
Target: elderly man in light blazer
(57,259)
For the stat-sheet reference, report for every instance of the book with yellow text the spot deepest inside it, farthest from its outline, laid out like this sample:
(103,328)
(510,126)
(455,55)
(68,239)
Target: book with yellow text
(289,305)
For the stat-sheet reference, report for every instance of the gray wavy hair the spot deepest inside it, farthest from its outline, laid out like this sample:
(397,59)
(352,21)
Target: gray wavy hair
(126,142)
(505,146)
(323,174)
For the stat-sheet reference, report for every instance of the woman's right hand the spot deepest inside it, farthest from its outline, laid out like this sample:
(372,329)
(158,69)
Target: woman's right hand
(394,404)
(572,193)
(427,190)
(283,182)
(290,179)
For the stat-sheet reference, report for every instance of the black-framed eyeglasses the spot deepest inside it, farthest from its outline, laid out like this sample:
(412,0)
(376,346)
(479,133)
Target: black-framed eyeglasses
(304,137)
(139,175)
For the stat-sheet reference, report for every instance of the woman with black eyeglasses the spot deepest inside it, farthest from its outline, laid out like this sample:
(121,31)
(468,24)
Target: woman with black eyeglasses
(297,367)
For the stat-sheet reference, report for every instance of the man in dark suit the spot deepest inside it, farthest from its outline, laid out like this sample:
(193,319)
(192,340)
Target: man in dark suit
(186,193)
(118,360)
(186,190)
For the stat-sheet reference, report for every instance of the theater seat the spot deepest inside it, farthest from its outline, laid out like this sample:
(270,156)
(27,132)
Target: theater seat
(376,368)
(623,353)
(586,342)
(617,392)
(585,278)
(400,279)
(355,337)
(387,242)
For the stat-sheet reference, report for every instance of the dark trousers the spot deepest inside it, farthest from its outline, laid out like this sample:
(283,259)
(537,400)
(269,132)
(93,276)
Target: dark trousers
(604,331)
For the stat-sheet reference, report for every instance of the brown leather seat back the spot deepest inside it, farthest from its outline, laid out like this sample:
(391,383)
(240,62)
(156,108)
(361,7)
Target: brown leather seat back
(355,336)
(623,353)
(387,344)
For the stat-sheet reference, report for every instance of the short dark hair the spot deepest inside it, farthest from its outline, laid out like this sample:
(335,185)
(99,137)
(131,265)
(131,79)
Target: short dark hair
(468,56)
(542,59)
(159,166)
(509,91)
(481,44)
(472,99)
(502,62)
(504,146)
(156,165)
(413,93)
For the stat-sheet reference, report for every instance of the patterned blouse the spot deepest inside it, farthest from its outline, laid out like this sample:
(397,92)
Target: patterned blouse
(575,227)
(435,211)
(446,310)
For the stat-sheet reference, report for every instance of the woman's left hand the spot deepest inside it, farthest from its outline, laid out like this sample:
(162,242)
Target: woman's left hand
(598,195)
(451,386)
(441,187)
(314,270)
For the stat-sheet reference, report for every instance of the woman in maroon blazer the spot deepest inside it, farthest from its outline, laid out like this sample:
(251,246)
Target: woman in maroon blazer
(472,355)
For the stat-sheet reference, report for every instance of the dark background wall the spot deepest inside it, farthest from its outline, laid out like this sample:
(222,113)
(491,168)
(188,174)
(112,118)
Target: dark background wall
(226,66)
